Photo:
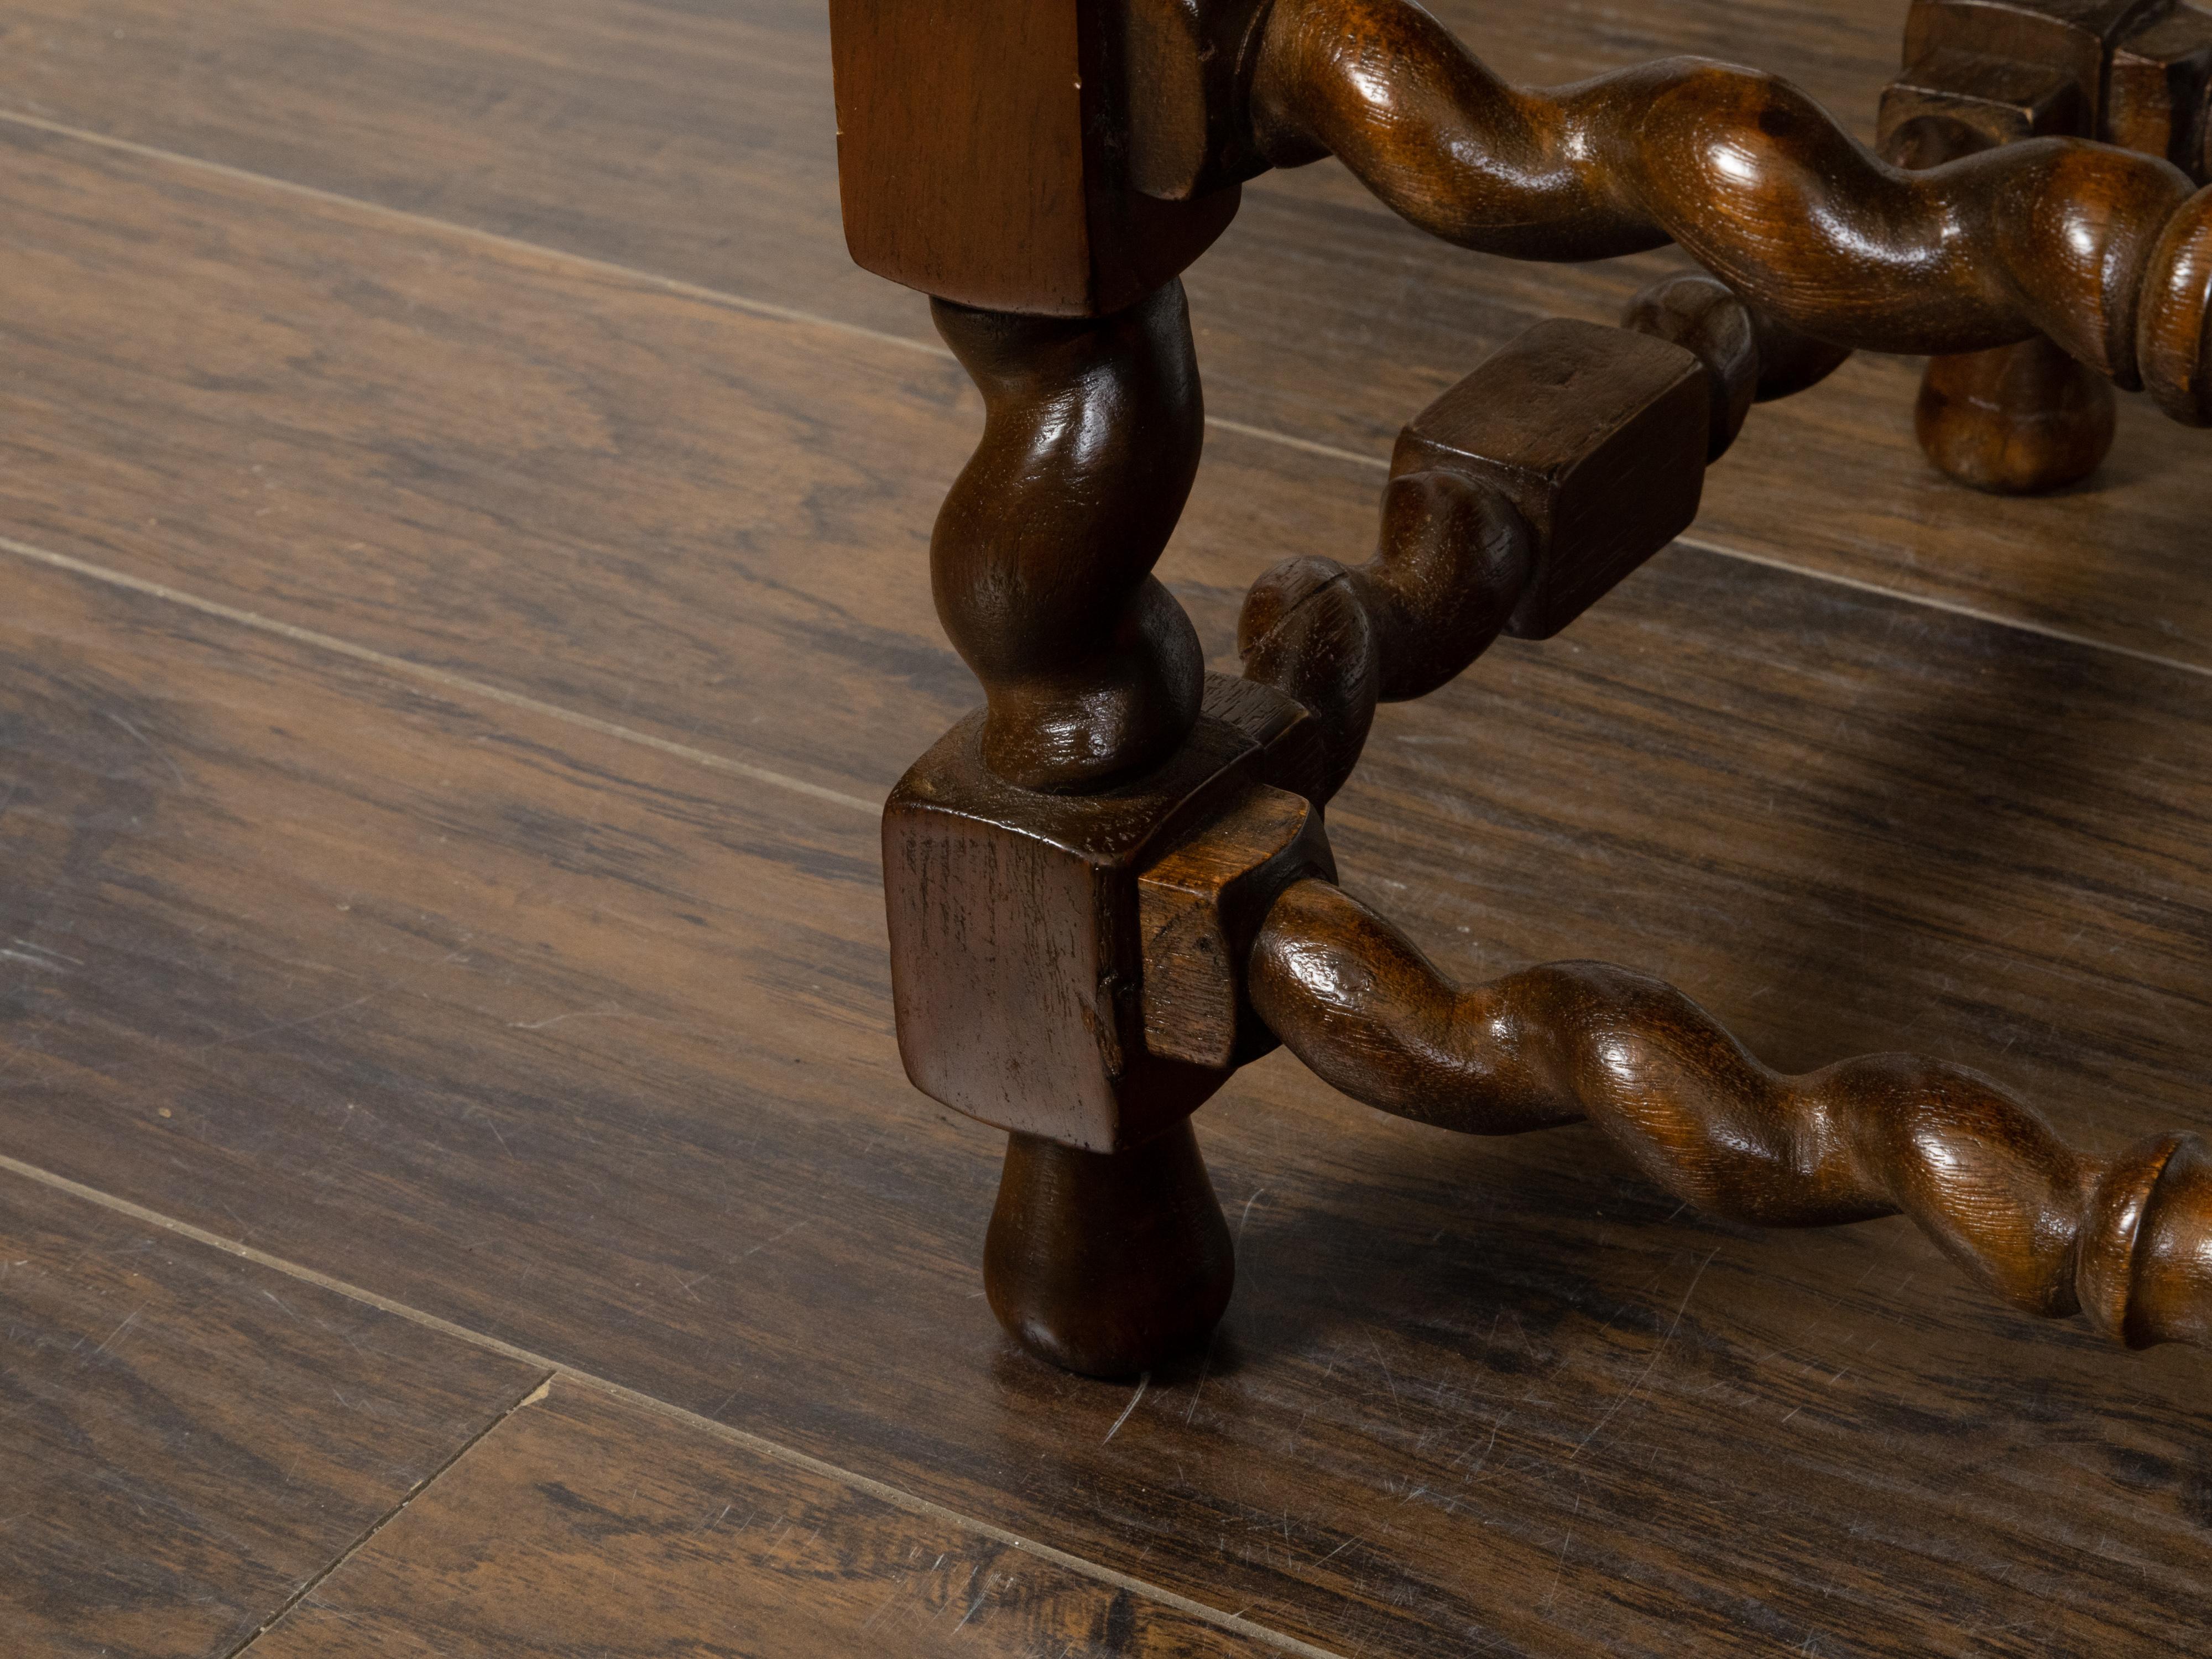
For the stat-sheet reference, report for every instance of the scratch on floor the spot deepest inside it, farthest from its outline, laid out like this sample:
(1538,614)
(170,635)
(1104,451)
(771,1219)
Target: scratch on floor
(167,758)
(779,1238)
(129,1319)
(1642,1374)
(1143,1382)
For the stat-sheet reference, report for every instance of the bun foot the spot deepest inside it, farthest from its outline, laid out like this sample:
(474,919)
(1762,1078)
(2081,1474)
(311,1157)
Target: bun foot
(2021,420)
(1107,1263)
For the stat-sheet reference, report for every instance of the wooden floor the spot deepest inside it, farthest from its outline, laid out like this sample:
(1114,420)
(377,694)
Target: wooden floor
(463,524)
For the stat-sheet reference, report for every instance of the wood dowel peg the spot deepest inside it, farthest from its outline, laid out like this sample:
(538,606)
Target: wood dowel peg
(1597,436)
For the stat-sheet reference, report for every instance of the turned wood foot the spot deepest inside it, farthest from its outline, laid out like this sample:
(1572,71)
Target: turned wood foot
(2021,420)
(1107,1263)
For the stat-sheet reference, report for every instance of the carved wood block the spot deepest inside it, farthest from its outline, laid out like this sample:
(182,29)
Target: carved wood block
(1017,955)
(1597,436)
(2073,37)
(1199,907)
(2000,99)
(2156,92)
(978,156)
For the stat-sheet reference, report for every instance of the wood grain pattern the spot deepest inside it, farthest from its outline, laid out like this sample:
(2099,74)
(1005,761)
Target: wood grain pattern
(190,1440)
(588,1047)
(1755,180)
(2122,1242)
(589,1524)
(602,124)
(536,1027)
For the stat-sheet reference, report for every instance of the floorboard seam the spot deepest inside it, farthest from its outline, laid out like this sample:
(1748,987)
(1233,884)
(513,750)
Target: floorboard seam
(560,1371)
(772,312)
(443,678)
(531,1396)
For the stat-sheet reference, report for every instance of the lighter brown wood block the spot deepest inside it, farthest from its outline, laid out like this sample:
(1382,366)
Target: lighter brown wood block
(589,1046)
(590,1524)
(602,125)
(188,1440)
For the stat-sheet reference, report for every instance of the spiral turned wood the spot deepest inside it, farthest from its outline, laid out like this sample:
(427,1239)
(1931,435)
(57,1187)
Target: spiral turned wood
(2126,1241)
(2106,252)
(1041,563)
(1455,557)
(1452,560)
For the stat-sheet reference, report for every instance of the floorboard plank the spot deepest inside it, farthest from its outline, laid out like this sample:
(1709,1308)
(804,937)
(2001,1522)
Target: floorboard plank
(602,125)
(187,1442)
(588,1048)
(589,1524)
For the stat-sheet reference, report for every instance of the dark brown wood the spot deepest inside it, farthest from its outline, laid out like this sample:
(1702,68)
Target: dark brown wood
(2127,1241)
(2175,332)
(1700,315)
(2156,90)
(1794,213)
(1558,467)
(1708,802)
(191,1439)
(588,1523)
(1017,955)
(1750,356)
(1595,436)
(2074,37)
(2019,420)
(623,1087)
(1107,1263)
(563,123)
(2022,419)
(1042,559)
(983,157)
(1954,102)
(1198,908)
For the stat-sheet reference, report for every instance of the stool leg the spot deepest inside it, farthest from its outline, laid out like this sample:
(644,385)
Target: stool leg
(1107,1263)
(2019,421)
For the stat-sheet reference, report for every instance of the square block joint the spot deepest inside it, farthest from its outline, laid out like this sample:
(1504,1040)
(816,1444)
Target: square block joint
(1016,951)
(1597,436)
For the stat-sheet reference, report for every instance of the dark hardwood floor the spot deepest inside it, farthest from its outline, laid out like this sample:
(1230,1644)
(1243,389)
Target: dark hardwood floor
(464,525)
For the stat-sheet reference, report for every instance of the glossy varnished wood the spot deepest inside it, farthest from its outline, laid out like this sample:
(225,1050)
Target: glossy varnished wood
(606,1023)
(588,1523)
(2122,1242)
(192,1440)
(1042,558)
(1755,178)
(601,125)
(1368,1252)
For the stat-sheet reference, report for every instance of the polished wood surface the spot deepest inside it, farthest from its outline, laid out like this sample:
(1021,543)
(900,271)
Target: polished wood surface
(718,1102)
(606,130)
(2124,1241)
(978,157)
(1760,185)
(1042,558)
(1588,445)
(589,1523)
(1470,1392)
(192,1440)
